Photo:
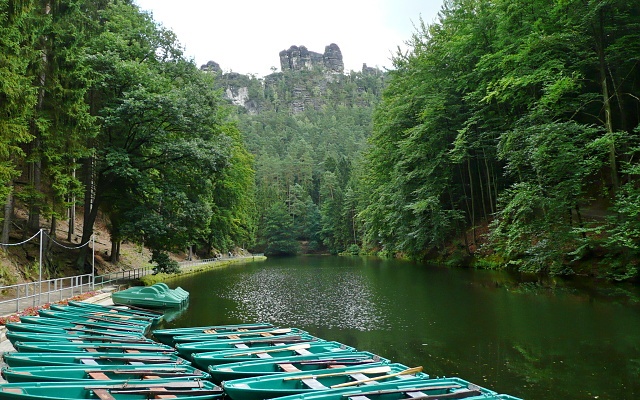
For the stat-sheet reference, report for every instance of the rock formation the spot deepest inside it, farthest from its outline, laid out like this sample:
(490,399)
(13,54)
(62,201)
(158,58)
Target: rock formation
(300,58)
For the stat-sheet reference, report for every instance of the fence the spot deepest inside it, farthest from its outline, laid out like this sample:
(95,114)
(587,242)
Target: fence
(115,278)
(31,294)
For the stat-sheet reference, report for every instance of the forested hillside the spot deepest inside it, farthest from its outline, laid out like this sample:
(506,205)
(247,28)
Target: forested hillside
(307,130)
(101,112)
(519,115)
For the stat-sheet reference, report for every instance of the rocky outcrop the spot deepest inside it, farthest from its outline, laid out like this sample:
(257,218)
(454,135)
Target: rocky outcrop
(298,58)
(211,66)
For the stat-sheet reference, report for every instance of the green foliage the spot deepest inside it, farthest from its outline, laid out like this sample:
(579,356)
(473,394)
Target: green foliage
(164,264)
(278,236)
(512,115)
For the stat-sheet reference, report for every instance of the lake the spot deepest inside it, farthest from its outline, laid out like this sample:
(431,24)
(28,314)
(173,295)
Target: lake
(529,337)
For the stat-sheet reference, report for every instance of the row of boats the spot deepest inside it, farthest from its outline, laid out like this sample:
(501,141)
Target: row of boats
(87,351)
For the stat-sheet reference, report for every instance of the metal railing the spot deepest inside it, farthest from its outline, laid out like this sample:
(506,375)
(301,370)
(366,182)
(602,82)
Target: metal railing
(192,263)
(31,294)
(115,278)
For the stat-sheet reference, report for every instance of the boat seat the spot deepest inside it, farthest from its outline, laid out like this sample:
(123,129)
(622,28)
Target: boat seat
(336,366)
(314,384)
(88,361)
(286,367)
(358,397)
(233,336)
(302,352)
(98,375)
(361,377)
(266,334)
(210,331)
(416,393)
(263,355)
(241,346)
(132,351)
(103,394)
(91,350)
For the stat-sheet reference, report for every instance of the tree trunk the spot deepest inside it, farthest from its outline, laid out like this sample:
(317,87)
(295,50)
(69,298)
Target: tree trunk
(606,97)
(115,250)
(8,217)
(35,167)
(71,212)
(90,210)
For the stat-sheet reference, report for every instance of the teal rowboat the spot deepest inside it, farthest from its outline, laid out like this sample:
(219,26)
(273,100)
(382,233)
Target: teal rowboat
(82,324)
(204,360)
(267,387)
(57,347)
(95,317)
(154,296)
(443,388)
(156,389)
(67,337)
(106,313)
(255,334)
(15,360)
(105,372)
(67,330)
(130,310)
(272,366)
(166,335)
(186,350)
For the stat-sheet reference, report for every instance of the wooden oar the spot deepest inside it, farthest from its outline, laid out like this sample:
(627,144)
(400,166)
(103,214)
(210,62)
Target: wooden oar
(407,390)
(372,370)
(345,361)
(377,378)
(273,332)
(295,347)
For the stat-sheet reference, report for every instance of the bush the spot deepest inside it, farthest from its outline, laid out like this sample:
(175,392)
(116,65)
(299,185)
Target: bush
(354,250)
(164,264)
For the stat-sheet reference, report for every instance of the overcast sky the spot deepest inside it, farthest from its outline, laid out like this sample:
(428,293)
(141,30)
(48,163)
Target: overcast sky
(246,35)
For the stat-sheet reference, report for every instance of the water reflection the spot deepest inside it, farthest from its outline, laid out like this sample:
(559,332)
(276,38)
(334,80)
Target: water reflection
(310,296)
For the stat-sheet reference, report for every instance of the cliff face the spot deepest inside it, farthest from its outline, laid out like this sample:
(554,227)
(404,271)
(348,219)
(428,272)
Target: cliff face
(308,80)
(299,58)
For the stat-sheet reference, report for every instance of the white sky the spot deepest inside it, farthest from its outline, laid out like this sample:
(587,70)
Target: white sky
(246,36)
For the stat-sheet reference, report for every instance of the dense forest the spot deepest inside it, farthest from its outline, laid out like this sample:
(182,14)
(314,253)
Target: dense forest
(514,123)
(505,136)
(101,112)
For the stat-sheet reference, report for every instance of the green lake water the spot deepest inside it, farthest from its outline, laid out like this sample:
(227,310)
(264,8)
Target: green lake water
(551,339)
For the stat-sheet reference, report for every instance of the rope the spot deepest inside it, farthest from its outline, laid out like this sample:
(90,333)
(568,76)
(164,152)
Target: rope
(18,244)
(67,247)
(52,239)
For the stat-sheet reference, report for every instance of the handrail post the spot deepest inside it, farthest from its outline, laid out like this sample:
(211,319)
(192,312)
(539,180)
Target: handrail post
(40,269)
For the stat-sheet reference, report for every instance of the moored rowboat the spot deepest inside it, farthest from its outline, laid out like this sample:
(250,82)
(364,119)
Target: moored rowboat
(166,335)
(68,330)
(14,359)
(266,387)
(258,333)
(68,337)
(204,360)
(105,372)
(443,388)
(82,324)
(183,390)
(187,350)
(272,366)
(57,347)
